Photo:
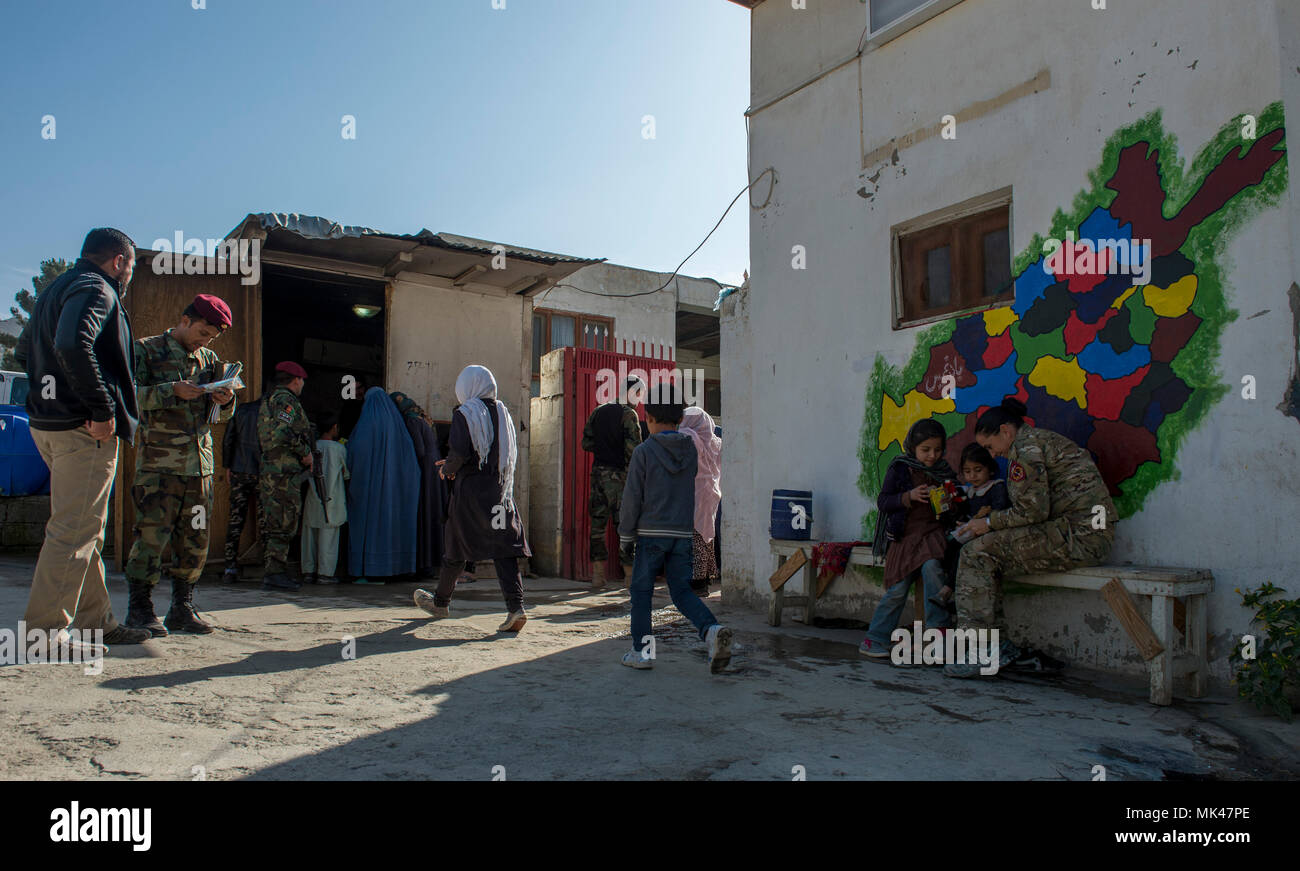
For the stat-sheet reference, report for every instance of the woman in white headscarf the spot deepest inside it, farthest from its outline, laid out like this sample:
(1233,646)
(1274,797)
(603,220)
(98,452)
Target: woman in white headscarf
(482,523)
(697,424)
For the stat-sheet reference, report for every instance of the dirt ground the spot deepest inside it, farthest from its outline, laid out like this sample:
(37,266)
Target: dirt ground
(272,696)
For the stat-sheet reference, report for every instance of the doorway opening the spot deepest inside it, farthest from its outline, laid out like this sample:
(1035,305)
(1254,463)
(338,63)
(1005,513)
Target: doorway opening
(334,327)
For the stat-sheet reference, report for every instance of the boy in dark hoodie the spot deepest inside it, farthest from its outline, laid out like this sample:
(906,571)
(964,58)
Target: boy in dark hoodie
(658,515)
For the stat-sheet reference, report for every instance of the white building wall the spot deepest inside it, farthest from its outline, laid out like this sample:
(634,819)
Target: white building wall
(814,334)
(435,331)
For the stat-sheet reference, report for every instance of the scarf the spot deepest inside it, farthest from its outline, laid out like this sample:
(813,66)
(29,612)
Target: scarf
(939,473)
(406,405)
(697,424)
(477,383)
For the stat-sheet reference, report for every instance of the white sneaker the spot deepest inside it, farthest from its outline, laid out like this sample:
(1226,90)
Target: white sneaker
(719,641)
(637,659)
(425,602)
(515,621)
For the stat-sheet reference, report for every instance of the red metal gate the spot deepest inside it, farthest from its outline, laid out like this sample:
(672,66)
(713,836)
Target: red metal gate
(582,368)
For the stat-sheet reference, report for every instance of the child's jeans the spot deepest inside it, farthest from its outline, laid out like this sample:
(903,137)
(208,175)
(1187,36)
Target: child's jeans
(885,620)
(672,557)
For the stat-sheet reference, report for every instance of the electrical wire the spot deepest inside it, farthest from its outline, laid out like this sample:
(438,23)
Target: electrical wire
(673,277)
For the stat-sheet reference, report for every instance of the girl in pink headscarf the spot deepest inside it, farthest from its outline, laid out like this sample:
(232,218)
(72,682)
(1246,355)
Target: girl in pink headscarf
(697,424)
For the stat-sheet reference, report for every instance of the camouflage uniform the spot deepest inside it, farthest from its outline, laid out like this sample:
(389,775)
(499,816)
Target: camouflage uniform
(173,461)
(607,483)
(243,488)
(1054,486)
(285,436)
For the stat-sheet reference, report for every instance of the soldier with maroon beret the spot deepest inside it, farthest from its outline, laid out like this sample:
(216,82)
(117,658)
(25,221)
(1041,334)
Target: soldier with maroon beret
(284,434)
(174,463)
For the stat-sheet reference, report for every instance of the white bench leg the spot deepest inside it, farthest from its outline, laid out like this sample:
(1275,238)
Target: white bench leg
(1197,630)
(1162,666)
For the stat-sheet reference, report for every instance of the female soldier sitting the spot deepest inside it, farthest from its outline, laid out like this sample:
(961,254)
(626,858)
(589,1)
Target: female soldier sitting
(1061,517)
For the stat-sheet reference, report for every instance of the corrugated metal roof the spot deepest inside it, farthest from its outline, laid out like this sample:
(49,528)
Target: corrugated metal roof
(313,227)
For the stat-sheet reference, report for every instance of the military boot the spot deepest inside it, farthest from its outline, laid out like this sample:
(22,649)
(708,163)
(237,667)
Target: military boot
(182,617)
(598,575)
(139,612)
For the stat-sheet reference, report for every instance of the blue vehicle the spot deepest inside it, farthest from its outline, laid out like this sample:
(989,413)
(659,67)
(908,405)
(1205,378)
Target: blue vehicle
(22,471)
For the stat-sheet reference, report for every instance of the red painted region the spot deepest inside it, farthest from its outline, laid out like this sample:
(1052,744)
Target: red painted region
(1079,335)
(945,362)
(1106,398)
(999,349)
(1120,449)
(1172,335)
(1140,195)
(1085,282)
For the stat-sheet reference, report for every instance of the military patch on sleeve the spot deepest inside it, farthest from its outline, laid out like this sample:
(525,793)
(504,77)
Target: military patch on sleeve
(1016,472)
(285,415)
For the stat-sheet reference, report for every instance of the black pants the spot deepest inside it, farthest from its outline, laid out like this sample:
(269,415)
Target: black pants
(508,574)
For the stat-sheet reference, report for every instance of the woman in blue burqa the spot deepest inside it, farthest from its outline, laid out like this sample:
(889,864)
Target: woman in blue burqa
(482,523)
(384,493)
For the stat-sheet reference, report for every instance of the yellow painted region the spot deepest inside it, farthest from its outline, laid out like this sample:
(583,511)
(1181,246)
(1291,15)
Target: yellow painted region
(896,419)
(996,320)
(1172,301)
(1061,378)
(1123,298)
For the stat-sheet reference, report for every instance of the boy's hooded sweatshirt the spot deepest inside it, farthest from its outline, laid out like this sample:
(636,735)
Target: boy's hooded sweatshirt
(659,497)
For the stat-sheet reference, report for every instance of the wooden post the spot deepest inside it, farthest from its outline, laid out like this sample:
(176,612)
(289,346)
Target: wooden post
(1149,644)
(785,571)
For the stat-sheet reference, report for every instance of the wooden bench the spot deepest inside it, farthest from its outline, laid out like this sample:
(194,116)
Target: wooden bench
(1178,602)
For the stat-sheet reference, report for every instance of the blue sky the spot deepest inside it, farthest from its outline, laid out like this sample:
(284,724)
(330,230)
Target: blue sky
(521,125)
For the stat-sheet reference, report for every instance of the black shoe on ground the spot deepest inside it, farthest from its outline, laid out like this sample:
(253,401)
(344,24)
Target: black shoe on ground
(123,634)
(139,612)
(182,617)
(1035,660)
(230,576)
(279,581)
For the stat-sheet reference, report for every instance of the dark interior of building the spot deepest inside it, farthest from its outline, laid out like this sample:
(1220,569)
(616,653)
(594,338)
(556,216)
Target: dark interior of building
(333,326)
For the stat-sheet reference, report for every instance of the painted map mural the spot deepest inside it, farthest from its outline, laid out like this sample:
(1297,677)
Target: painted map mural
(1125,369)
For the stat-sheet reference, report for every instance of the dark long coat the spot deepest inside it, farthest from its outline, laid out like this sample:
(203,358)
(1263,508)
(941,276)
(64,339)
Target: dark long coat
(430,519)
(481,523)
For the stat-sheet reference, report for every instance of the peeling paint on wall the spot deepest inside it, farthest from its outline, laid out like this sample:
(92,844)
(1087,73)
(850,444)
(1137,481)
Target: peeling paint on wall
(1290,404)
(1123,368)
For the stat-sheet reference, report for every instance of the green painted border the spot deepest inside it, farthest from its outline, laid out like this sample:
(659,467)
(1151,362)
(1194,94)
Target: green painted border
(1197,363)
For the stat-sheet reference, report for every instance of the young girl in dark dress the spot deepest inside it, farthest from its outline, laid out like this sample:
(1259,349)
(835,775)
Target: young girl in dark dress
(915,536)
(482,522)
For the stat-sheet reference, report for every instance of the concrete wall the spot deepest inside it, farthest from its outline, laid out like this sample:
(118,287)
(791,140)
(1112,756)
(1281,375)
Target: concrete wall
(647,318)
(1226,494)
(22,522)
(435,331)
(546,496)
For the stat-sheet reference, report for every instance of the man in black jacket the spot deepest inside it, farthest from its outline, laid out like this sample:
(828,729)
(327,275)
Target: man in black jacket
(241,455)
(78,352)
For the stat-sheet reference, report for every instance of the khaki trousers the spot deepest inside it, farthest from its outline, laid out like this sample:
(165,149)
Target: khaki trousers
(68,589)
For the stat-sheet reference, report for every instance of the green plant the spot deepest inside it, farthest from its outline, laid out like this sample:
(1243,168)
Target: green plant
(1266,677)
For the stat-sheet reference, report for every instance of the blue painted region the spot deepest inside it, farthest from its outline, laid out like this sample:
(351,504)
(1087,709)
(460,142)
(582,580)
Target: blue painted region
(1102,225)
(1154,417)
(1059,415)
(1003,465)
(1092,305)
(970,339)
(1030,286)
(1101,359)
(990,388)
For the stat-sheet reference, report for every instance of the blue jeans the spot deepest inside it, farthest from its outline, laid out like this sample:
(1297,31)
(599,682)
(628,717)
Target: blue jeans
(672,557)
(885,620)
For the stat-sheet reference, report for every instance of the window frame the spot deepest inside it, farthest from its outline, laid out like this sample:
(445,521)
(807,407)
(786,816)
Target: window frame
(935,222)
(580,320)
(909,20)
